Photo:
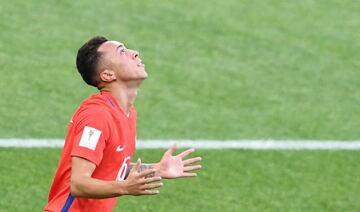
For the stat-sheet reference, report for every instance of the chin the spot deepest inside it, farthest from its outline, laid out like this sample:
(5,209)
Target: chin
(143,74)
(140,74)
(141,77)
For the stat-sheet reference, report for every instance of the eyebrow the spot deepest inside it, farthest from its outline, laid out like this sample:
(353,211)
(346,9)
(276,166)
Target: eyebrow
(119,46)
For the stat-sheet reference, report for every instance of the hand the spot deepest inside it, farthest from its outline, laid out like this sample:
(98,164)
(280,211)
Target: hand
(172,167)
(138,183)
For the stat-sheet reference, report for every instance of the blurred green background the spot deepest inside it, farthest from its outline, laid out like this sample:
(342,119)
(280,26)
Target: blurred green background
(217,69)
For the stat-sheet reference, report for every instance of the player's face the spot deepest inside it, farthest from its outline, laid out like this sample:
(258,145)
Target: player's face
(126,63)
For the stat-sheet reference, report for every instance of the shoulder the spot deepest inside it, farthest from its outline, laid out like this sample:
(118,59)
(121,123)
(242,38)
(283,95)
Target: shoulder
(94,107)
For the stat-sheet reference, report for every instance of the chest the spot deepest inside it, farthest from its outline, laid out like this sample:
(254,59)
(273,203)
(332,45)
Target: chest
(122,139)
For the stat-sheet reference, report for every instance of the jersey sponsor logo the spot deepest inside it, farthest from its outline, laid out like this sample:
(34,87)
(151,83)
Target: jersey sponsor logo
(120,148)
(90,138)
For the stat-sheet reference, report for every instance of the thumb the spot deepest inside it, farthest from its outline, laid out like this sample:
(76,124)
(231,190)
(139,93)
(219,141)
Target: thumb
(172,149)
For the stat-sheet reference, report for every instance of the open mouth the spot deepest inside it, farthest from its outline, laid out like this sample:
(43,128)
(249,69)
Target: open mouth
(141,64)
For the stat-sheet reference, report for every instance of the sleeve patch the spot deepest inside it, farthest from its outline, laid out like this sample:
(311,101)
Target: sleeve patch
(90,137)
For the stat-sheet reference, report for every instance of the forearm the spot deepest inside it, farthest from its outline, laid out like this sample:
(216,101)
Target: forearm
(83,185)
(89,187)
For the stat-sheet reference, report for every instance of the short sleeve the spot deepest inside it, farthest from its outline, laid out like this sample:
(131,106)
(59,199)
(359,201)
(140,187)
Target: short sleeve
(90,134)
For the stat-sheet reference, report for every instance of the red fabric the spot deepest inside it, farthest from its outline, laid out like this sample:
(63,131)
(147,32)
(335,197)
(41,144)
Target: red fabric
(101,112)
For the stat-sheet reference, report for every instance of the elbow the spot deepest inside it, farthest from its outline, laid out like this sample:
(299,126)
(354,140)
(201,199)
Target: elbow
(75,188)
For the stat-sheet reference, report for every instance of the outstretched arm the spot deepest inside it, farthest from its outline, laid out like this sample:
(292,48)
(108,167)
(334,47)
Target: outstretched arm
(172,167)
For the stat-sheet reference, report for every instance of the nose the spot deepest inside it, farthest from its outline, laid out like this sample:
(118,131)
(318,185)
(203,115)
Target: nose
(134,54)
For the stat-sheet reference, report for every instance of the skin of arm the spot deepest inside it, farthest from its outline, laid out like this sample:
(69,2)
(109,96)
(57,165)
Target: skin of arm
(83,185)
(173,166)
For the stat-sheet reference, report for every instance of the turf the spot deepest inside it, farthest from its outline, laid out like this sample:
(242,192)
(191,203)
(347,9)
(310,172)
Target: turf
(218,69)
(231,180)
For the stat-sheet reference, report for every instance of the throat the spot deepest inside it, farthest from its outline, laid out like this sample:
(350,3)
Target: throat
(125,98)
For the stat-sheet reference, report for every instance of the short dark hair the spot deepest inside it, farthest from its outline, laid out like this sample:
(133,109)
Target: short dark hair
(88,58)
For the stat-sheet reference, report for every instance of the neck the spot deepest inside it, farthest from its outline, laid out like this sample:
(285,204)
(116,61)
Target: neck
(125,94)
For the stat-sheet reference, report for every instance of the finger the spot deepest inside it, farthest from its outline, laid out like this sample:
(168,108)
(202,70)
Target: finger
(172,149)
(147,172)
(192,160)
(192,168)
(188,174)
(186,152)
(137,165)
(151,180)
(151,186)
(150,192)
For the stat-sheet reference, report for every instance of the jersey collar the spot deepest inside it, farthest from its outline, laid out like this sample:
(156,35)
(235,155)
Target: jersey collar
(112,101)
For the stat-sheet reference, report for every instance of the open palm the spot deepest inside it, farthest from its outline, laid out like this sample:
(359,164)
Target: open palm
(171,167)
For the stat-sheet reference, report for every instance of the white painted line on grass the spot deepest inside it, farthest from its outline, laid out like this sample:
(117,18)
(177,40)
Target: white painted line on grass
(203,144)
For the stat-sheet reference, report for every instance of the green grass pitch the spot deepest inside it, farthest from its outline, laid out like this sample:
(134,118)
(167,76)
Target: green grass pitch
(231,180)
(217,69)
(227,69)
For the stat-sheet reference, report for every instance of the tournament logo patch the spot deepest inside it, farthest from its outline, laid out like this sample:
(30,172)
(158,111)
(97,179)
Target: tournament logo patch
(90,137)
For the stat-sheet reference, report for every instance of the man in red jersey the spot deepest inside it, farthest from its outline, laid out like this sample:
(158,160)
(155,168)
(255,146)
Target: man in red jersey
(95,166)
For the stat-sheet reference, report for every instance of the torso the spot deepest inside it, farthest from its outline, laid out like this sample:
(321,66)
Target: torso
(113,153)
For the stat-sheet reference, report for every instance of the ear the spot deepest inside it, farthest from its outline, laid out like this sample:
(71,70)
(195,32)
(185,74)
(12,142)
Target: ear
(107,75)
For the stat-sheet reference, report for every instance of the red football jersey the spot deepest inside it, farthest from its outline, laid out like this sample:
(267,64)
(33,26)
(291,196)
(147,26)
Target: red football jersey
(103,134)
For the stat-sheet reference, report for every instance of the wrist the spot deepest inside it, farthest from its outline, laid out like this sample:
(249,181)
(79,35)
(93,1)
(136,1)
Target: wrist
(121,188)
(158,172)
